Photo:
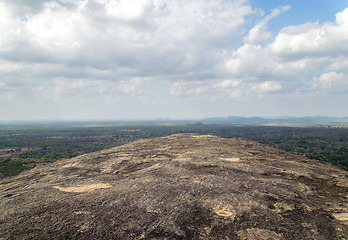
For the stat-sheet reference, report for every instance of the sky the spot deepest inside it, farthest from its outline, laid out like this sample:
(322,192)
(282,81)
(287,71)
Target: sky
(148,59)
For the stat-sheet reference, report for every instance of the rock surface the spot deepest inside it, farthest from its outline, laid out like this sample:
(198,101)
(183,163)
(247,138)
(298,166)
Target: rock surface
(184,186)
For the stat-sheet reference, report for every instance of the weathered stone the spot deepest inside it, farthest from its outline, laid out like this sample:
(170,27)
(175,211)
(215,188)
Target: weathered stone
(184,186)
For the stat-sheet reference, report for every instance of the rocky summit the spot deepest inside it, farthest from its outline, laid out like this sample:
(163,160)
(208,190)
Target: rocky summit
(184,186)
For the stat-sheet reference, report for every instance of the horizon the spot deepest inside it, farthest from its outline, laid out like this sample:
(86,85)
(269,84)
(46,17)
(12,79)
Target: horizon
(221,119)
(124,59)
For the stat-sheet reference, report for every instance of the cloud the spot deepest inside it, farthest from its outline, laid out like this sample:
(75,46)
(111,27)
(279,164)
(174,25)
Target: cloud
(227,84)
(251,61)
(313,40)
(265,87)
(297,54)
(117,40)
(79,87)
(160,51)
(187,88)
(259,32)
(146,37)
(331,82)
(132,87)
(20,8)
(209,89)
(230,88)
(127,10)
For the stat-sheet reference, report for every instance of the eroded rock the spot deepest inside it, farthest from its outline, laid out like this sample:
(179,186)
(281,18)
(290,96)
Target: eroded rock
(184,186)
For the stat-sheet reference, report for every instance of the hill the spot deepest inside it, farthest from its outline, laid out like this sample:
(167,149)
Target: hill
(184,186)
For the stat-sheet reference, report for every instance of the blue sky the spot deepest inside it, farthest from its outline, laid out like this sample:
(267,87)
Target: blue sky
(301,11)
(143,59)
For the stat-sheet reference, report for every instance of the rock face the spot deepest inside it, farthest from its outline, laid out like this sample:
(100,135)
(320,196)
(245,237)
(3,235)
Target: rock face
(184,186)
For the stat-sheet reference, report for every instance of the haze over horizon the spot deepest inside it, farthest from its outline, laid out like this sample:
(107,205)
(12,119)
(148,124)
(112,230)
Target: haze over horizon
(129,59)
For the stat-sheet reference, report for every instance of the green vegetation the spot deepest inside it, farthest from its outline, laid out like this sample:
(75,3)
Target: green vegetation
(23,147)
(321,143)
(14,167)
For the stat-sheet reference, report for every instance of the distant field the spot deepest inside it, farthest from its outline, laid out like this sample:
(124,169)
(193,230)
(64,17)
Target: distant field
(25,146)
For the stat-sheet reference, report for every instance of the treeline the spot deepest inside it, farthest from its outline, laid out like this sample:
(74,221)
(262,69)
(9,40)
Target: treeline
(321,143)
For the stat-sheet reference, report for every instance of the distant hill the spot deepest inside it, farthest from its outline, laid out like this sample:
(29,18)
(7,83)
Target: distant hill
(285,120)
(229,119)
(184,186)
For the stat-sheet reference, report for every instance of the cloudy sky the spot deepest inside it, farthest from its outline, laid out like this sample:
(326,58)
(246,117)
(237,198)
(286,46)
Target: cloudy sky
(143,59)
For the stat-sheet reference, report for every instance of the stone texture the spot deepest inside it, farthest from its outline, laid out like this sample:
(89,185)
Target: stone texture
(184,186)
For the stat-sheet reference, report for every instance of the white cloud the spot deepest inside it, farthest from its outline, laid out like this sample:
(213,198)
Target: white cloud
(297,54)
(338,63)
(108,51)
(250,61)
(102,91)
(259,32)
(209,90)
(54,30)
(133,86)
(257,63)
(186,87)
(227,84)
(227,88)
(136,34)
(331,82)
(127,10)
(313,39)
(265,87)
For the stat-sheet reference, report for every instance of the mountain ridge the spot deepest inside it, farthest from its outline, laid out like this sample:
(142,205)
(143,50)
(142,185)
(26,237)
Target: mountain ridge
(330,120)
